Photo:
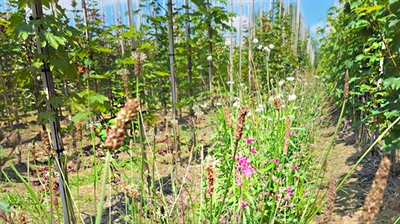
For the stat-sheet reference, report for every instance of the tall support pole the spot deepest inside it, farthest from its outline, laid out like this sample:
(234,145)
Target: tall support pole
(231,58)
(55,129)
(172,60)
(131,21)
(210,51)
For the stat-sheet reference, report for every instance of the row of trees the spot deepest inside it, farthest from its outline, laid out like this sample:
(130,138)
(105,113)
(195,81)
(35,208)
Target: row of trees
(173,46)
(361,39)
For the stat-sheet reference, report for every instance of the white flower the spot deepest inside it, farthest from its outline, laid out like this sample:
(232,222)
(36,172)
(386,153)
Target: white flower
(267,49)
(195,107)
(292,97)
(209,58)
(230,82)
(236,104)
(260,47)
(249,114)
(204,106)
(290,79)
(218,104)
(271,46)
(255,41)
(260,108)
(198,113)
(174,122)
(135,55)
(281,82)
(123,71)
(241,84)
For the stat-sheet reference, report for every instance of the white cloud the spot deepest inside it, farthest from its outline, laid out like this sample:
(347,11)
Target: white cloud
(315,27)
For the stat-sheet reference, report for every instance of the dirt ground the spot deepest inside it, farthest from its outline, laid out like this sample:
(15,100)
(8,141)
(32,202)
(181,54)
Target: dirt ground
(344,154)
(350,198)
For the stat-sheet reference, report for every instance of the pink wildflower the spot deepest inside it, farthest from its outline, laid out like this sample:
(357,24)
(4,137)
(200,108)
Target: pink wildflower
(244,204)
(276,196)
(238,181)
(222,219)
(250,140)
(295,167)
(291,206)
(277,160)
(248,172)
(252,150)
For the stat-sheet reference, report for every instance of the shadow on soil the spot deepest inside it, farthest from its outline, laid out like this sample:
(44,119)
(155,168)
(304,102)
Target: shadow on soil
(350,198)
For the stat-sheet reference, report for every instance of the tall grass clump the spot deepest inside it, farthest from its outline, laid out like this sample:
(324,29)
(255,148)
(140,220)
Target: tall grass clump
(267,175)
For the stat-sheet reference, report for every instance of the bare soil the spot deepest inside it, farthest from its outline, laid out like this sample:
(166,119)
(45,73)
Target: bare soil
(349,201)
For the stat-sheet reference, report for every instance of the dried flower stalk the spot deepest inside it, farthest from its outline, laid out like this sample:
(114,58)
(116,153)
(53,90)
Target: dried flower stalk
(46,142)
(227,116)
(54,191)
(138,65)
(287,136)
(331,201)
(277,103)
(240,123)
(374,197)
(121,124)
(210,176)
(124,77)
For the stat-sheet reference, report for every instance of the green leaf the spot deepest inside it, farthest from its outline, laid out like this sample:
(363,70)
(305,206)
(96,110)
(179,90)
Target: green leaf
(97,98)
(46,115)
(79,116)
(162,74)
(103,49)
(127,61)
(54,41)
(4,206)
(392,82)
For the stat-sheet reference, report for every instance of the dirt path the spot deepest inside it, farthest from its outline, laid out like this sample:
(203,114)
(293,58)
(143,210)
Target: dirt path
(350,198)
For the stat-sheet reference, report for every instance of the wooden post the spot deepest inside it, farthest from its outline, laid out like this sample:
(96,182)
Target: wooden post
(55,129)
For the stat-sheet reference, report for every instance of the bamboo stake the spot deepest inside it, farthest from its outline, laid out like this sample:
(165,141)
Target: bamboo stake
(55,129)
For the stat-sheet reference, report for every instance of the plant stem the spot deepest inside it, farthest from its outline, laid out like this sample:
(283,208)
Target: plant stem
(103,188)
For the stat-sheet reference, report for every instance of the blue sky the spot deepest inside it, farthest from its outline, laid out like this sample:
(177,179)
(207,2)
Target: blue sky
(314,11)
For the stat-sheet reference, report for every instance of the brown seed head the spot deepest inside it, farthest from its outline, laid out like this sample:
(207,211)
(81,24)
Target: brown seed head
(331,201)
(240,123)
(227,116)
(373,200)
(125,82)
(46,141)
(54,191)
(210,176)
(277,103)
(138,65)
(121,124)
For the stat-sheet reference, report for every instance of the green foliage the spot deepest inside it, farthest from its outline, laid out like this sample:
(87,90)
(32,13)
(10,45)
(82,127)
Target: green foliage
(363,37)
